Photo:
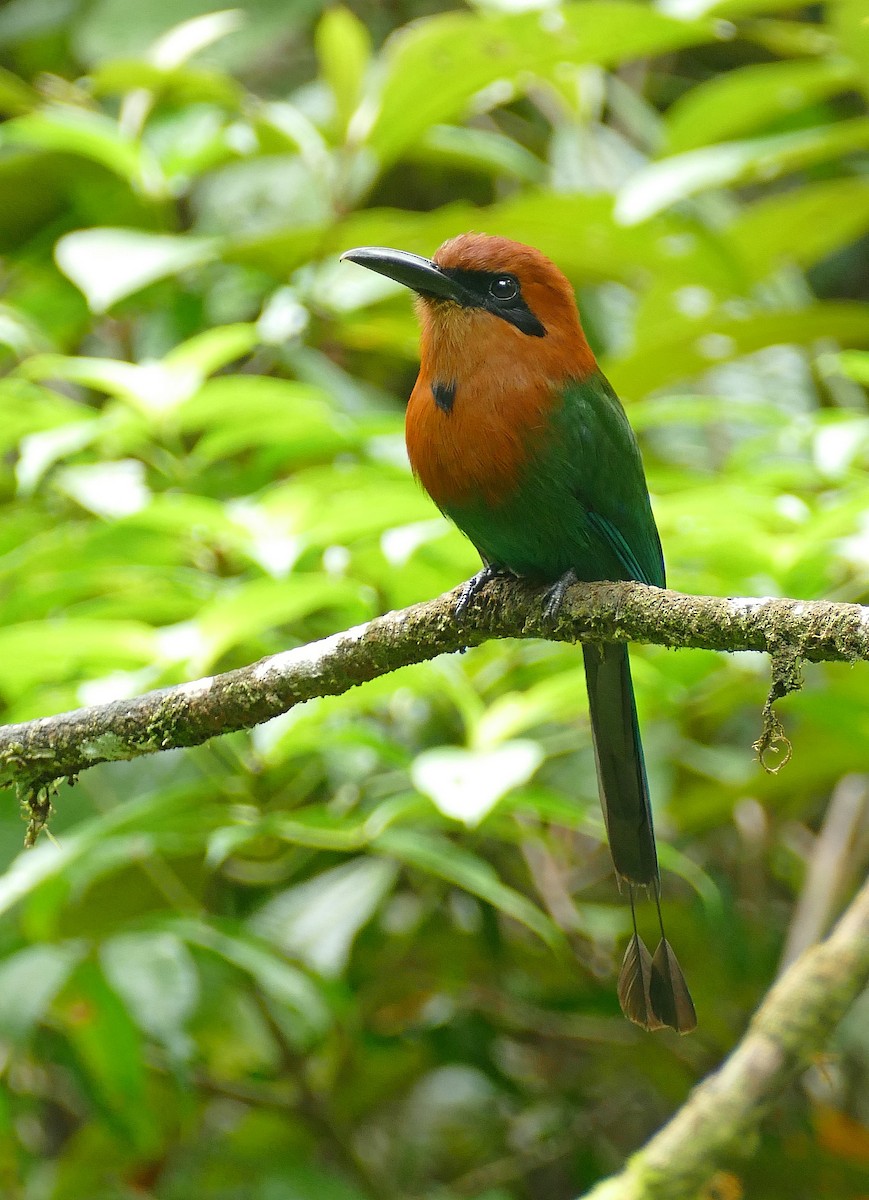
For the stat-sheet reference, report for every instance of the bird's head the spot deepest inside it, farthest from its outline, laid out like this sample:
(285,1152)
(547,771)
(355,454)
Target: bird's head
(492,291)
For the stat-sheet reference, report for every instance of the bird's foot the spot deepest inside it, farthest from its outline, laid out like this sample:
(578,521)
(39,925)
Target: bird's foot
(554,598)
(472,587)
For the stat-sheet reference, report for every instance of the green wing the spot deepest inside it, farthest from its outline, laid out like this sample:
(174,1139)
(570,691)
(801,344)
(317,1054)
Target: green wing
(608,480)
(580,504)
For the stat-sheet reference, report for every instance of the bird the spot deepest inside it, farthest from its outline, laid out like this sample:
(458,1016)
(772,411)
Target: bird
(520,440)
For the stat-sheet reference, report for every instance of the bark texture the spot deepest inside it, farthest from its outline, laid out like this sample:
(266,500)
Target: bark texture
(36,753)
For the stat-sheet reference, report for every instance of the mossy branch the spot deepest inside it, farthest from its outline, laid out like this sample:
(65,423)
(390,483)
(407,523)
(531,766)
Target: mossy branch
(795,1019)
(34,754)
(714,1127)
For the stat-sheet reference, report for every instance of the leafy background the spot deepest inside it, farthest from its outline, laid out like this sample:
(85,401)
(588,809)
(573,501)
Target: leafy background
(368,950)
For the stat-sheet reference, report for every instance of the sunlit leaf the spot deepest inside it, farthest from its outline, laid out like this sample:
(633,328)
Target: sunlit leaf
(734,103)
(180,85)
(214,348)
(436,67)
(467,784)
(40,451)
(848,20)
(240,412)
(182,41)
(156,977)
(67,646)
(109,489)
(689,353)
(476,150)
(802,225)
(579,232)
(670,180)
(92,135)
(15,95)
(318,921)
(29,981)
(855,364)
(247,610)
(343,47)
(109,264)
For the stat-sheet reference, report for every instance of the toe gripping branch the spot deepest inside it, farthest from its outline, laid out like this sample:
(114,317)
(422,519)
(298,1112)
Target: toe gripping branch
(472,587)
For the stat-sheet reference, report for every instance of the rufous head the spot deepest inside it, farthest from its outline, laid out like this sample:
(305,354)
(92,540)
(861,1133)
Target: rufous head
(501,339)
(498,289)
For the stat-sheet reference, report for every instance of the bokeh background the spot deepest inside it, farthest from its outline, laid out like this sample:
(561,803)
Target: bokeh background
(312,960)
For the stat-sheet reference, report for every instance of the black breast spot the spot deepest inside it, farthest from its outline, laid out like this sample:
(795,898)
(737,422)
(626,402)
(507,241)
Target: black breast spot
(444,394)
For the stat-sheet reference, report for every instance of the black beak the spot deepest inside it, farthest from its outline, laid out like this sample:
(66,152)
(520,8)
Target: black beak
(415,272)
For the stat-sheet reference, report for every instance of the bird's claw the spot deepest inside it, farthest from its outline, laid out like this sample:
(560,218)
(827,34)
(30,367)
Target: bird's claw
(554,598)
(472,587)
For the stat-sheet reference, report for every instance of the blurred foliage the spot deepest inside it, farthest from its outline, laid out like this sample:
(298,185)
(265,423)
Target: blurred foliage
(368,950)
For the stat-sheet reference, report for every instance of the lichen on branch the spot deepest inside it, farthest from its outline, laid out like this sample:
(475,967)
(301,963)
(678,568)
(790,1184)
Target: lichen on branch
(35,754)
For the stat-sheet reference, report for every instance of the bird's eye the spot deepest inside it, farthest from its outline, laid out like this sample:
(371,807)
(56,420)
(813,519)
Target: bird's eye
(504,288)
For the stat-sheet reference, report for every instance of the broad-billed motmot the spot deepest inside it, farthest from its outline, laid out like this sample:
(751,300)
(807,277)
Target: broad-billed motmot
(519,439)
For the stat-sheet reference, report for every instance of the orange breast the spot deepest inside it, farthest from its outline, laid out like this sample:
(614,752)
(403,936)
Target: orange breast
(506,384)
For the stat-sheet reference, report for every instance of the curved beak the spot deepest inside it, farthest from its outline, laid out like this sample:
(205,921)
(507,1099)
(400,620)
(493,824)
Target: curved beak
(415,272)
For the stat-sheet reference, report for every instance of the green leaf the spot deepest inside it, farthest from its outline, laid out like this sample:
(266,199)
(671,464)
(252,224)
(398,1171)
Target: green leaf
(343,47)
(214,348)
(178,85)
(849,20)
(111,841)
(666,182)
(29,981)
(249,609)
(109,264)
(739,101)
(156,977)
(476,150)
(689,353)
(16,96)
(157,387)
(554,698)
(318,921)
(800,226)
(467,784)
(242,412)
(178,44)
(40,451)
(578,232)
(19,334)
(108,29)
(437,856)
(279,980)
(790,38)
(91,135)
(28,409)
(109,1048)
(854,364)
(109,489)
(436,66)
(67,647)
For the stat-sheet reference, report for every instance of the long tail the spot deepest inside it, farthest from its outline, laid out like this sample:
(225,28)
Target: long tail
(652,990)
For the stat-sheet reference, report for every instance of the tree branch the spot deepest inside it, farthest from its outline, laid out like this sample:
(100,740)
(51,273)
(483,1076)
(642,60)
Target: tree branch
(794,1020)
(713,1128)
(36,753)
